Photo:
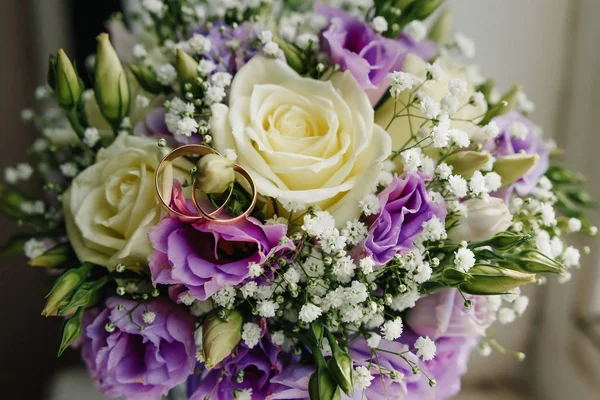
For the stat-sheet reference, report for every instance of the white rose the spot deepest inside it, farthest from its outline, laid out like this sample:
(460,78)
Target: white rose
(304,141)
(111,205)
(482,220)
(400,129)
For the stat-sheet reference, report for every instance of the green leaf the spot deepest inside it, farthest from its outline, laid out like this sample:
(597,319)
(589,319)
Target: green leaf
(71,331)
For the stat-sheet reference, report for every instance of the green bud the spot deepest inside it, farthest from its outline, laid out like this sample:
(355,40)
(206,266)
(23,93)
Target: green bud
(506,104)
(220,336)
(71,331)
(111,86)
(340,365)
(51,74)
(441,31)
(424,8)
(454,277)
(514,167)
(560,174)
(64,288)
(533,261)
(322,386)
(187,68)
(87,295)
(147,79)
(293,55)
(487,88)
(503,241)
(402,4)
(490,280)
(467,162)
(56,256)
(68,87)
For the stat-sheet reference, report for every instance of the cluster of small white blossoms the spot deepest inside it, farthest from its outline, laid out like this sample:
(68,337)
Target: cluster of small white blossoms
(21,172)
(302,29)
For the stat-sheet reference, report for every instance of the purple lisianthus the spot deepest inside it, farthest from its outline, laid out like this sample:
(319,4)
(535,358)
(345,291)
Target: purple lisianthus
(443,314)
(404,206)
(133,363)
(518,134)
(291,383)
(208,256)
(155,127)
(356,47)
(259,365)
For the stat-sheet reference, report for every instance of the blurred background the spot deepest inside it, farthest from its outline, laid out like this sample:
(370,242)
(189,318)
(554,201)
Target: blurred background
(551,47)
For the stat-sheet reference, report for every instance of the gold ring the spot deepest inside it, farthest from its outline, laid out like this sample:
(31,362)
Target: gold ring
(199,150)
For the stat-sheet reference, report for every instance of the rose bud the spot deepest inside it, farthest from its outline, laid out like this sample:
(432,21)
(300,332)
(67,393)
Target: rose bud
(111,88)
(215,174)
(491,280)
(220,336)
(64,288)
(483,220)
(67,84)
(187,68)
(514,167)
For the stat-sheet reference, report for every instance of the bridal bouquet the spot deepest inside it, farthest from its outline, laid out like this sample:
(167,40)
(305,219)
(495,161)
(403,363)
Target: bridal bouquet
(285,200)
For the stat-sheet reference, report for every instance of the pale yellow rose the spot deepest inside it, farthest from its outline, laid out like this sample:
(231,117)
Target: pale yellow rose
(400,129)
(111,205)
(304,141)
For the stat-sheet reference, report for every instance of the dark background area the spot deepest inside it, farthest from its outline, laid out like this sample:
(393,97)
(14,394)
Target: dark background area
(28,341)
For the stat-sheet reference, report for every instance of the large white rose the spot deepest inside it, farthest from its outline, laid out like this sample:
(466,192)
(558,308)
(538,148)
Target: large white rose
(304,141)
(111,205)
(400,129)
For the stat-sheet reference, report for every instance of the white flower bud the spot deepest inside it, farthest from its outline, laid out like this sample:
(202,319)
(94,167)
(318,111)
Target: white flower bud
(483,219)
(215,173)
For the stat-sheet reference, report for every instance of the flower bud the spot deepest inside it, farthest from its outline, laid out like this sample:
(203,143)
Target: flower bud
(465,163)
(220,336)
(54,257)
(67,86)
(503,241)
(64,288)
(424,8)
(51,73)
(293,56)
(491,280)
(513,167)
(146,79)
(215,174)
(92,112)
(506,104)
(322,386)
(441,31)
(340,366)
(187,68)
(111,87)
(71,331)
(483,220)
(532,261)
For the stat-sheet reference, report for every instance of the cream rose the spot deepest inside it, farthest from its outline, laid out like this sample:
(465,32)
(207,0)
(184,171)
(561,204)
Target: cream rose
(111,205)
(304,141)
(400,130)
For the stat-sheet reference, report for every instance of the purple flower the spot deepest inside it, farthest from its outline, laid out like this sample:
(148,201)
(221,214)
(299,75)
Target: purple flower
(259,365)
(356,47)
(291,383)
(207,256)
(133,363)
(507,144)
(155,127)
(443,314)
(405,205)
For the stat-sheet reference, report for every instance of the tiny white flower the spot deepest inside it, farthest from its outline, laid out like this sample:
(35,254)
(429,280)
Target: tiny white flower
(362,378)
(506,315)
(148,317)
(225,297)
(267,308)
(436,71)
(430,108)
(518,130)
(199,44)
(450,104)
(354,231)
(249,289)
(439,135)
(373,340)
(491,130)
(457,86)
(205,67)
(485,349)
(379,24)
(457,185)
(423,273)
(465,45)
(141,101)
(524,104)
(412,159)
(255,270)
(571,257)
(459,137)
(547,214)
(139,51)
(187,126)
(221,79)
(574,225)
(69,169)
(166,74)
(278,338)
(434,229)
(479,99)
(366,265)
(392,330)
(242,394)
(369,205)
(34,248)
(215,94)
(154,6)
(401,81)
(478,184)
(520,304)
(464,259)
(416,30)
(24,171)
(443,171)
(187,299)
(271,49)
(265,37)
(425,348)
(251,334)
(493,181)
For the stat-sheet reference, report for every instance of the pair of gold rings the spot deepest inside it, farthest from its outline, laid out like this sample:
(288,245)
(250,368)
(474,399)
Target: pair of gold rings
(164,179)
